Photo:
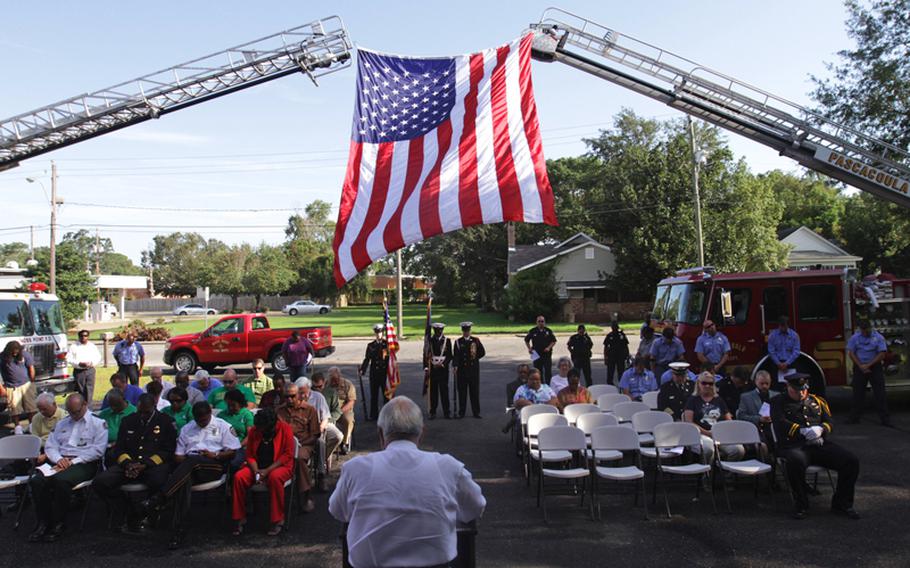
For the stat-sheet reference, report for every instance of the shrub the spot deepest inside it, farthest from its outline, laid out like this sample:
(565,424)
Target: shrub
(531,293)
(143,332)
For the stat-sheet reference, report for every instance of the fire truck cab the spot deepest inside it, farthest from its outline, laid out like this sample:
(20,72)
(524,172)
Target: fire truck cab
(35,320)
(822,306)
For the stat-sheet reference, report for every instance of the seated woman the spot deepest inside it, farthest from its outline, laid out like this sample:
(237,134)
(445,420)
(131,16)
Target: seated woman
(179,410)
(269,461)
(574,393)
(561,381)
(705,409)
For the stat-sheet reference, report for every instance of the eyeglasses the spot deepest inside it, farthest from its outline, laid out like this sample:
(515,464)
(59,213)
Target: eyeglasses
(710,384)
(258,368)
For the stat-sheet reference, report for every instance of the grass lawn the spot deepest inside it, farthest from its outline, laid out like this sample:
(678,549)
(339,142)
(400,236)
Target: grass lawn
(358,321)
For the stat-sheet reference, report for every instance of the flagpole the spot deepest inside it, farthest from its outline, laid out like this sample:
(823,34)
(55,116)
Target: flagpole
(398,283)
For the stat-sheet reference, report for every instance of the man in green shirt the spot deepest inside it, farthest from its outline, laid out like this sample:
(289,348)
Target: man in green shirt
(260,383)
(237,415)
(331,396)
(118,408)
(229,380)
(179,410)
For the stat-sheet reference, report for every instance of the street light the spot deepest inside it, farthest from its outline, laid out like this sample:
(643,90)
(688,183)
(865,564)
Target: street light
(54,203)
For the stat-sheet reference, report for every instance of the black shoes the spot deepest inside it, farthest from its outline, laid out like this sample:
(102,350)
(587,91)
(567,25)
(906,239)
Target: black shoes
(448,416)
(848,512)
(55,533)
(800,514)
(176,540)
(343,449)
(478,416)
(38,533)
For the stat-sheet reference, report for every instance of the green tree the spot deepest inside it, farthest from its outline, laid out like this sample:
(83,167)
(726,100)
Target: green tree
(228,265)
(14,252)
(183,261)
(879,232)
(267,272)
(117,263)
(807,200)
(75,285)
(532,292)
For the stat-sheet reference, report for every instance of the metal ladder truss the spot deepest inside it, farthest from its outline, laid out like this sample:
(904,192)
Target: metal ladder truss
(812,140)
(317,48)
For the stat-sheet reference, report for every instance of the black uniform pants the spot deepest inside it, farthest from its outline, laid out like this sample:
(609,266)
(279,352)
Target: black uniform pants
(584,367)
(468,381)
(616,366)
(439,389)
(544,364)
(875,377)
(52,494)
(828,455)
(107,484)
(191,471)
(130,372)
(85,383)
(377,390)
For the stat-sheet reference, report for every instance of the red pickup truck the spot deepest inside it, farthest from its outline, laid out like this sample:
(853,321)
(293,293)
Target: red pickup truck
(239,339)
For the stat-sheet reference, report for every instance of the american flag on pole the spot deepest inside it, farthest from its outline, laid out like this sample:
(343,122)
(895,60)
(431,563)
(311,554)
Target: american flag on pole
(393,378)
(439,144)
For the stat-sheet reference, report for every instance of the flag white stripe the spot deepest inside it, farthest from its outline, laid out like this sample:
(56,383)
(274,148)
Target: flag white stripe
(410,214)
(521,153)
(375,242)
(487,184)
(449,206)
(359,211)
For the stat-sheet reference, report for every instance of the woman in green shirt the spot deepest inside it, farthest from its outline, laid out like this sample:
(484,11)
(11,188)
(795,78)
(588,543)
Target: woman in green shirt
(179,410)
(237,414)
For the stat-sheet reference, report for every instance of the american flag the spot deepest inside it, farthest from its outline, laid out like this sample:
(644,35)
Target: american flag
(393,378)
(439,144)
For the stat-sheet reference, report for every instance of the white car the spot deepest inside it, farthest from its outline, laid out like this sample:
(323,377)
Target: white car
(305,307)
(193,310)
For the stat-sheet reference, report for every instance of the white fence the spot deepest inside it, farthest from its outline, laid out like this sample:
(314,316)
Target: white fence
(218,302)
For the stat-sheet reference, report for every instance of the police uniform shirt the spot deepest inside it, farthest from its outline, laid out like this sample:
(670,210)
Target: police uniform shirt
(616,344)
(128,354)
(789,417)
(673,396)
(664,353)
(376,357)
(668,376)
(216,437)
(712,347)
(462,353)
(151,442)
(540,339)
(82,440)
(580,346)
(638,384)
(783,347)
(867,348)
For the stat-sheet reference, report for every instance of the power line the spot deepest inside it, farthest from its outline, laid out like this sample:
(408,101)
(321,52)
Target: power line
(181,209)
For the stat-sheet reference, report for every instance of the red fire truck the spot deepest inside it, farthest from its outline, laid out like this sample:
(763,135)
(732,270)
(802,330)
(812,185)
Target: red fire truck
(823,307)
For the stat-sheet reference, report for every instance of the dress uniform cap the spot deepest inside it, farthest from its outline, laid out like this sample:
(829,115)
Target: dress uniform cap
(798,380)
(679,367)
(466,324)
(378,327)
(438,325)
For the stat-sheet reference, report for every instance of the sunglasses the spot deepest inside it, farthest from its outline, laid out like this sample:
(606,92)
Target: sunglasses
(711,384)
(228,382)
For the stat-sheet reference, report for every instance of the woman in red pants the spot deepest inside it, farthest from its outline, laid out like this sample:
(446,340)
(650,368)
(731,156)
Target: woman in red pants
(269,461)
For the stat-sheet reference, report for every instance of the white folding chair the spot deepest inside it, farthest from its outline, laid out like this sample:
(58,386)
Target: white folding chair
(524,415)
(587,423)
(597,391)
(624,411)
(650,398)
(812,470)
(606,402)
(562,440)
(290,483)
(644,423)
(573,411)
(607,439)
(22,447)
(676,435)
(746,434)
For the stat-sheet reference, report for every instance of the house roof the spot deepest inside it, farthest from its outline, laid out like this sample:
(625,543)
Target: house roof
(526,256)
(830,246)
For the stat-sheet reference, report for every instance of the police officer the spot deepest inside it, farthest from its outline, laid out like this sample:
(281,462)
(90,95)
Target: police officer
(867,349)
(712,349)
(674,393)
(377,359)
(436,366)
(466,358)
(580,346)
(802,426)
(142,454)
(540,340)
(616,352)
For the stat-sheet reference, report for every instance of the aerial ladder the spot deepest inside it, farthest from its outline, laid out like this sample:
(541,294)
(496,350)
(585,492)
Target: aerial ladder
(814,141)
(316,49)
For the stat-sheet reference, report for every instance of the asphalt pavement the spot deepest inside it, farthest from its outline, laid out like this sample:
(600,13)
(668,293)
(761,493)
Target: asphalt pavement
(512,531)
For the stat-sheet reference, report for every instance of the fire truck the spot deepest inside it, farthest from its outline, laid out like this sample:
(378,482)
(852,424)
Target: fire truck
(35,320)
(823,307)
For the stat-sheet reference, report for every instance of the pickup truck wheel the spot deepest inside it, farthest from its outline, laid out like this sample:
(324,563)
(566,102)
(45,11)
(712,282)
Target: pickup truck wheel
(292,312)
(323,311)
(185,361)
(278,363)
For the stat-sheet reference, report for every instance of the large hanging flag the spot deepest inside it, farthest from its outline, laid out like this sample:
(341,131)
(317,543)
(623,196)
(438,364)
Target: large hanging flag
(439,144)
(393,377)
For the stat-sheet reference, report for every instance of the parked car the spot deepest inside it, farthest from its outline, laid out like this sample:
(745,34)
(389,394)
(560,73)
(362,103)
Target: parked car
(305,307)
(240,339)
(194,310)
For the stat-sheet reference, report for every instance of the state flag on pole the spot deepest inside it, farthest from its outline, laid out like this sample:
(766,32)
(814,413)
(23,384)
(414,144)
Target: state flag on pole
(393,375)
(439,144)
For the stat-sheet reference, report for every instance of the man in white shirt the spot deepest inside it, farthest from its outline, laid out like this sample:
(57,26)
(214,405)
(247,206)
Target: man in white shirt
(402,504)
(204,449)
(84,357)
(73,451)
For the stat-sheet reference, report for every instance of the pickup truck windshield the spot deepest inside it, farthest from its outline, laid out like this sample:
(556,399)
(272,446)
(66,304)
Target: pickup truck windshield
(232,325)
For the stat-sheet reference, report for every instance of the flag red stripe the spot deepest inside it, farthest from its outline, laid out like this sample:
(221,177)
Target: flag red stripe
(430,223)
(391,236)
(509,189)
(359,254)
(532,132)
(468,197)
(348,196)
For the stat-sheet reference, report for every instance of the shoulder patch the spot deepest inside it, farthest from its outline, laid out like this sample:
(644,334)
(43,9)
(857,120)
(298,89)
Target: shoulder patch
(234,432)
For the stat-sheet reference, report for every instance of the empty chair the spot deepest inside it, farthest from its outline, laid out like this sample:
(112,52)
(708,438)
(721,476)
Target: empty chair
(537,423)
(523,416)
(596,391)
(587,423)
(679,435)
(624,411)
(606,402)
(573,411)
(644,423)
(562,440)
(22,447)
(618,439)
(746,434)
(650,398)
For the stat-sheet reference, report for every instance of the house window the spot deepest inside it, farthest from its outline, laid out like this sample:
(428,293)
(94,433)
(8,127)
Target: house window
(589,253)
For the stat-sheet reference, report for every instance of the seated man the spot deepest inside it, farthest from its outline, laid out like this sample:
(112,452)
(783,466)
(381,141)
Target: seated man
(46,418)
(637,380)
(802,427)
(180,411)
(705,409)
(270,462)
(204,448)
(383,497)
(751,403)
(74,450)
(142,454)
(155,389)
(674,394)
(230,382)
(535,392)
(347,398)
(331,436)
(193,395)
(156,374)
(118,408)
(668,374)
(304,421)
(732,388)
(205,383)
(273,398)
(260,383)
(131,393)
(522,379)
(574,393)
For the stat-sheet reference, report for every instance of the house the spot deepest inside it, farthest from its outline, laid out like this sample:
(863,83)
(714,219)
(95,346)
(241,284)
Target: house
(415,288)
(811,250)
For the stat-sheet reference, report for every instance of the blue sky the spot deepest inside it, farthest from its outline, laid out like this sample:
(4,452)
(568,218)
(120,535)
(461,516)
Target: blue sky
(283,144)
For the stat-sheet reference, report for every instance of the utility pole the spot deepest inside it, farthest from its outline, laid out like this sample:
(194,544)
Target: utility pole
(510,236)
(695,161)
(98,259)
(31,242)
(398,284)
(53,278)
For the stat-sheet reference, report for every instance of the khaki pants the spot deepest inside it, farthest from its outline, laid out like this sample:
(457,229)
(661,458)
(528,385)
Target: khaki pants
(345,423)
(22,400)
